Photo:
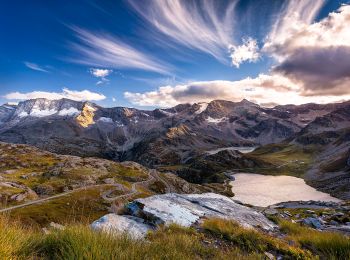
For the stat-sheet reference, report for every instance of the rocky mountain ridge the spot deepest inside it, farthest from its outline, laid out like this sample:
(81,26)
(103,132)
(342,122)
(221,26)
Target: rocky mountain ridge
(157,137)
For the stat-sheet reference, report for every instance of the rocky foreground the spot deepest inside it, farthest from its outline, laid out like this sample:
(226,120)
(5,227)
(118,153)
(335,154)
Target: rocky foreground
(185,210)
(144,215)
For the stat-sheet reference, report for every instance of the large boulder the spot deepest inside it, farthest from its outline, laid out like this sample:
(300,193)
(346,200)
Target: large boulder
(113,223)
(188,209)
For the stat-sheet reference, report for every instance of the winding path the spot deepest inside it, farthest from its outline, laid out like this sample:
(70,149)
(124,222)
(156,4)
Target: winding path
(153,175)
(45,199)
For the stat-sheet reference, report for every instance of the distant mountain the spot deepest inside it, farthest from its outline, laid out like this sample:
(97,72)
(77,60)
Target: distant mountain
(330,135)
(158,137)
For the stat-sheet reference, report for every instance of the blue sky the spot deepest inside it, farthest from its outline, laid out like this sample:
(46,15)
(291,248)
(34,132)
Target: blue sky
(159,53)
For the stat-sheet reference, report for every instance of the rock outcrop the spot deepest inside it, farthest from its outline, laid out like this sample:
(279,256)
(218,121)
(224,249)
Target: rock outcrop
(185,210)
(133,226)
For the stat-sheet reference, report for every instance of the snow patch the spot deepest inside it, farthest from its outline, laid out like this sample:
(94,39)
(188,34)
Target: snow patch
(105,119)
(23,114)
(69,112)
(166,112)
(8,106)
(216,120)
(202,107)
(42,113)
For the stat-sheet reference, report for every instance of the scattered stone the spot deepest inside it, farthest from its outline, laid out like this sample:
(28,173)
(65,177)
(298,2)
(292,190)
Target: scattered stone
(9,171)
(56,226)
(109,181)
(338,214)
(333,223)
(46,231)
(308,211)
(19,197)
(269,256)
(313,222)
(270,211)
(287,213)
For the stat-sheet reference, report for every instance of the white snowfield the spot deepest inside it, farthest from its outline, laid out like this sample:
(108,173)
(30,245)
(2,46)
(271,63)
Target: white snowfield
(69,112)
(216,120)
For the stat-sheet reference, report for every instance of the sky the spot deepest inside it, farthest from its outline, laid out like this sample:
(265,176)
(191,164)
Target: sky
(159,53)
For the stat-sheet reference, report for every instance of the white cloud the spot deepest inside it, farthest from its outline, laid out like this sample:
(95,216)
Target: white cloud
(297,14)
(295,29)
(106,51)
(66,93)
(248,51)
(263,89)
(201,25)
(114,99)
(314,54)
(35,66)
(100,73)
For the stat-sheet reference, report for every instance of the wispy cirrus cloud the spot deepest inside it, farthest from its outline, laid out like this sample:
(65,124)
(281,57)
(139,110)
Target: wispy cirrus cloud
(83,95)
(200,26)
(34,66)
(103,50)
(203,26)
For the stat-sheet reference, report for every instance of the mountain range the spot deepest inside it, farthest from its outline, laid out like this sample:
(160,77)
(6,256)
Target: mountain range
(190,134)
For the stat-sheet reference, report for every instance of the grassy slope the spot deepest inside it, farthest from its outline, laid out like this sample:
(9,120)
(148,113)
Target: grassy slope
(284,159)
(214,239)
(31,168)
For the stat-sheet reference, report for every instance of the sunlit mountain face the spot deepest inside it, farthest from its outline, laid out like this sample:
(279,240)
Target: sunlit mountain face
(160,53)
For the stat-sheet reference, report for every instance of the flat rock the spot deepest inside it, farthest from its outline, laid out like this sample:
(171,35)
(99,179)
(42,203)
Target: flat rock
(313,222)
(113,223)
(188,209)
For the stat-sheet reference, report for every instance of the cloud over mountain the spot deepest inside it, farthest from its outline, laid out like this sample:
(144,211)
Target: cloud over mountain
(262,89)
(83,95)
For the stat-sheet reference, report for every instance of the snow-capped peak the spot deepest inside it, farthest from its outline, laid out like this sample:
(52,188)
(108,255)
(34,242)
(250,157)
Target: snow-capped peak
(202,107)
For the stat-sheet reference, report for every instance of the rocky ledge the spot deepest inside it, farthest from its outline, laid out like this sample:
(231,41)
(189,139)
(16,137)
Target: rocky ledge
(324,216)
(186,210)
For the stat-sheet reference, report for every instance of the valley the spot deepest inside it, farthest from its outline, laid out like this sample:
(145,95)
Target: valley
(65,163)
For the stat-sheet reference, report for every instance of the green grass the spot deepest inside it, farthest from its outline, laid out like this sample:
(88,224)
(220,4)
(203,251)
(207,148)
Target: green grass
(215,239)
(284,159)
(327,245)
(80,242)
(251,240)
(80,206)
